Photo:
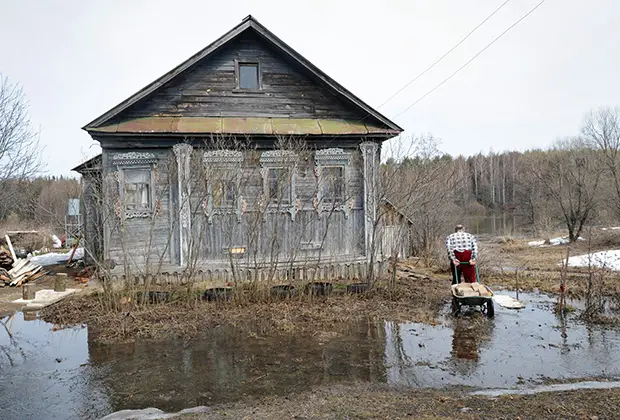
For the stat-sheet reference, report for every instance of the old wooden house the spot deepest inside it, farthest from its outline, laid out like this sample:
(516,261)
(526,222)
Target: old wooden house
(244,156)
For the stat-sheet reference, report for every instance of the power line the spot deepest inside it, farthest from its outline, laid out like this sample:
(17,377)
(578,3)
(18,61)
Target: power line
(471,59)
(446,54)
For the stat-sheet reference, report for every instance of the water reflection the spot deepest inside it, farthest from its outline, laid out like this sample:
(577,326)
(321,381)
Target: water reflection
(226,364)
(502,223)
(68,375)
(468,333)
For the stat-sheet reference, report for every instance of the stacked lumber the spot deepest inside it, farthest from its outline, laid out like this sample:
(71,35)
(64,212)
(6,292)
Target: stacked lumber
(23,271)
(15,271)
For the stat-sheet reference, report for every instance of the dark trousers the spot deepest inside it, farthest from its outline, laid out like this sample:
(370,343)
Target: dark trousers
(467,271)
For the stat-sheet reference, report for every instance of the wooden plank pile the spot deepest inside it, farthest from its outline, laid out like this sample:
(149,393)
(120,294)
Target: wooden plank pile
(17,271)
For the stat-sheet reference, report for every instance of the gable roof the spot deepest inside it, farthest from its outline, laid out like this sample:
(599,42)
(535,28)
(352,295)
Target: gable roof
(249,23)
(91,165)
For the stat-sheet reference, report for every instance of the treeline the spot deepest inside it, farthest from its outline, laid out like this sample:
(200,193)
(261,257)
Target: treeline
(571,185)
(40,202)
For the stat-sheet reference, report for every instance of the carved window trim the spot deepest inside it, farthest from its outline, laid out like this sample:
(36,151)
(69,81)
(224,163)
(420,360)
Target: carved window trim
(333,158)
(280,159)
(225,160)
(135,161)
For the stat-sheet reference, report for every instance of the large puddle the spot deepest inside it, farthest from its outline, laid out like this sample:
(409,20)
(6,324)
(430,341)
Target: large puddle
(65,375)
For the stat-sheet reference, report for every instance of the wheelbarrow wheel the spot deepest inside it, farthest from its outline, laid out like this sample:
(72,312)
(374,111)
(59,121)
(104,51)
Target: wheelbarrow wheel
(455,306)
(490,309)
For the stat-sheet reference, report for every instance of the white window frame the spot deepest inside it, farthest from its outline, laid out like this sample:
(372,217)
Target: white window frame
(231,162)
(280,159)
(333,157)
(129,162)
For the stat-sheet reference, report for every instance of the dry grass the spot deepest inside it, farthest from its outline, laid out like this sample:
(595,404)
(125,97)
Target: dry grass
(378,401)
(417,300)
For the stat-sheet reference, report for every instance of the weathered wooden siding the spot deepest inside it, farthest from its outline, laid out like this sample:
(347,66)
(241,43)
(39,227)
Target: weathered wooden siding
(274,235)
(209,90)
(268,237)
(92,199)
(137,243)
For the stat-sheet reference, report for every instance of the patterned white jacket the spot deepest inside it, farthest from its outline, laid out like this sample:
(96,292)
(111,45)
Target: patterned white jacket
(461,241)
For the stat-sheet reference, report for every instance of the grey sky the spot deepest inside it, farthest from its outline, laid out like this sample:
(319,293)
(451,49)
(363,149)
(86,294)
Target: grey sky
(76,59)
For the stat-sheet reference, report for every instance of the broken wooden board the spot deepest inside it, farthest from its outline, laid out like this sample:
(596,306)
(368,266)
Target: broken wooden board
(45,298)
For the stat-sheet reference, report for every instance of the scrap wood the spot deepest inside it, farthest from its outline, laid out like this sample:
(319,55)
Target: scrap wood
(22,270)
(8,241)
(77,242)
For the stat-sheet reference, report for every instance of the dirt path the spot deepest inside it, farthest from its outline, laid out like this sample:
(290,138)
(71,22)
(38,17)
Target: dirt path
(9,294)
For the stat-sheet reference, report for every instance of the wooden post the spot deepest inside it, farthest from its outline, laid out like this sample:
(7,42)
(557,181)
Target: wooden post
(29,315)
(28,291)
(60,282)
(563,276)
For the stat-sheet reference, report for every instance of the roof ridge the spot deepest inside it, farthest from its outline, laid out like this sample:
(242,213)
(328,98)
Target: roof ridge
(248,23)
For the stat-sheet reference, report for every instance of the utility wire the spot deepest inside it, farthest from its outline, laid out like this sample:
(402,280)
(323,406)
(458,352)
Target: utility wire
(445,55)
(471,59)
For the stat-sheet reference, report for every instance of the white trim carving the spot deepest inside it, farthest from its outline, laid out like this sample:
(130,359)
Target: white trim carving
(183,154)
(225,160)
(134,158)
(333,157)
(278,157)
(222,157)
(272,159)
(370,163)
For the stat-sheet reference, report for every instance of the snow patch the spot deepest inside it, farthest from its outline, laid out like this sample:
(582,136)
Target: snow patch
(603,259)
(152,413)
(560,240)
(57,258)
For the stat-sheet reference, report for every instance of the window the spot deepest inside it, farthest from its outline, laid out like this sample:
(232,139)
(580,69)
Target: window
(248,76)
(333,184)
(279,185)
(223,193)
(137,189)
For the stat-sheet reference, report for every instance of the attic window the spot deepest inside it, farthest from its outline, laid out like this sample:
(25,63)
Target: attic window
(248,76)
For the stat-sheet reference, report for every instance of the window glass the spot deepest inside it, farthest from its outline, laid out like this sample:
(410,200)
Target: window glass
(333,184)
(279,186)
(223,192)
(248,76)
(137,189)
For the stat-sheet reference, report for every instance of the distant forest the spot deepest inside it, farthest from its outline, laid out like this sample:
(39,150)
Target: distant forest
(37,203)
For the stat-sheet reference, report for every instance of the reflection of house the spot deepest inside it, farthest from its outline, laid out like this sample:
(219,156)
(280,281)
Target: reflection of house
(225,365)
(244,150)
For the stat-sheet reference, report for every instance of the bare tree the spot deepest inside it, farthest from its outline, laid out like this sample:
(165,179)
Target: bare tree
(601,130)
(571,174)
(20,154)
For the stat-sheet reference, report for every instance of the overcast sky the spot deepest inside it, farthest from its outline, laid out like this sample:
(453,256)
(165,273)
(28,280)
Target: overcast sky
(76,59)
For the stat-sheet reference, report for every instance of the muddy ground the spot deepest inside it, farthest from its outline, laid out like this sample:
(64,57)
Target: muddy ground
(123,316)
(416,296)
(380,402)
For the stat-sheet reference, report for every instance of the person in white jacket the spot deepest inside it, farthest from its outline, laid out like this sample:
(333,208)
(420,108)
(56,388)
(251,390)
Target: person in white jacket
(462,247)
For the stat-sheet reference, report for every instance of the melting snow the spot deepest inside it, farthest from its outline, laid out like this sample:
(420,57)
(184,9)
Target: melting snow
(56,258)
(603,259)
(560,240)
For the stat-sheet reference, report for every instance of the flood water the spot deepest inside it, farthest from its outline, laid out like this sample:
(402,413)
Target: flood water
(63,374)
